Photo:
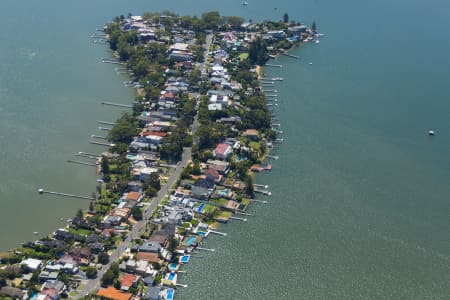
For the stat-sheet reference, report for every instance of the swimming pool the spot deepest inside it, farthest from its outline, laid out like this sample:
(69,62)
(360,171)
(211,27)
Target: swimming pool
(184,258)
(171,276)
(172,266)
(201,207)
(170,293)
(191,240)
(201,233)
(223,192)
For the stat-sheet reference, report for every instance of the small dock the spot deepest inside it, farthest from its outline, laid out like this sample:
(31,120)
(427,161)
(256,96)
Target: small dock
(273,65)
(259,201)
(111,62)
(276,124)
(42,191)
(86,157)
(106,123)
(270,91)
(261,185)
(104,128)
(204,249)
(87,154)
(240,212)
(116,104)
(81,163)
(273,157)
(217,232)
(264,192)
(279,141)
(99,137)
(290,55)
(182,285)
(102,144)
(239,219)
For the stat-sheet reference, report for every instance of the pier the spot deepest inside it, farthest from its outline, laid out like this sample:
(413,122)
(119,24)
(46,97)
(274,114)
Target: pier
(104,128)
(290,55)
(271,91)
(81,163)
(259,201)
(86,156)
(261,185)
(272,156)
(102,144)
(110,62)
(42,191)
(240,212)
(217,232)
(106,123)
(264,192)
(239,219)
(204,249)
(276,124)
(117,104)
(272,65)
(182,285)
(278,140)
(99,137)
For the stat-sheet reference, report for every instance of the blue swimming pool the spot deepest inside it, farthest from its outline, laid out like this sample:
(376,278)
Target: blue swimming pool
(170,293)
(201,233)
(191,240)
(223,192)
(172,266)
(171,276)
(201,207)
(185,258)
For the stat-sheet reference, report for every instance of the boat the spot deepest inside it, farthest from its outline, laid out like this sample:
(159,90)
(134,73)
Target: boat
(245,3)
(35,232)
(277,79)
(316,41)
(431,132)
(310,63)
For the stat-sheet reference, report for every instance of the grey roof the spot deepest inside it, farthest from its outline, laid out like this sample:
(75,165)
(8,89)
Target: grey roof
(54,284)
(149,280)
(153,293)
(150,247)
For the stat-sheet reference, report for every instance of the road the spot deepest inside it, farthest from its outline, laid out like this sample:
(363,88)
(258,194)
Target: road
(92,285)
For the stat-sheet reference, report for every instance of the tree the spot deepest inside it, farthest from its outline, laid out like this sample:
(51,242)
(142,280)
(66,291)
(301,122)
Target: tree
(108,278)
(136,212)
(103,258)
(79,213)
(105,165)
(286,18)
(249,186)
(91,272)
(124,130)
(257,52)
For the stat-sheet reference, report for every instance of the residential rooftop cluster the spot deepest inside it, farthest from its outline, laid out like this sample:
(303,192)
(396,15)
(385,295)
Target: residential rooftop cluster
(198,93)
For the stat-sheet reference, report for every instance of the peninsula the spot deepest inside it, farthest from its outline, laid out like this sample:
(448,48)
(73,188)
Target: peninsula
(178,164)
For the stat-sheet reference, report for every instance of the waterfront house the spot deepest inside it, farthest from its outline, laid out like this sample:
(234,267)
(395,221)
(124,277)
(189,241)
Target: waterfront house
(32,264)
(252,134)
(113,294)
(153,293)
(111,221)
(222,151)
(222,167)
(64,235)
(149,256)
(148,246)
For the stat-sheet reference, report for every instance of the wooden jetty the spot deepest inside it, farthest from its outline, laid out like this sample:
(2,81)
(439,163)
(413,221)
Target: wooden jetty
(42,191)
(80,163)
(273,65)
(205,249)
(87,154)
(116,104)
(87,157)
(239,219)
(99,137)
(217,232)
(260,201)
(290,55)
(111,62)
(261,185)
(104,128)
(106,123)
(102,144)
(264,192)
(272,157)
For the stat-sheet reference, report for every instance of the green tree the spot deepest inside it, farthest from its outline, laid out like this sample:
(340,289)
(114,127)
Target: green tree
(124,130)
(257,52)
(79,213)
(136,212)
(91,272)
(249,186)
(105,165)
(103,258)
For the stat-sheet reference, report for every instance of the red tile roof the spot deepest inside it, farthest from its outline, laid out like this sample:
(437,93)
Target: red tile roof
(114,294)
(128,280)
(157,133)
(133,196)
(222,148)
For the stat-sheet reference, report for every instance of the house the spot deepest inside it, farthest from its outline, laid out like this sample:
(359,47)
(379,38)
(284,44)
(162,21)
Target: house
(32,264)
(150,247)
(252,134)
(135,186)
(148,256)
(80,252)
(111,221)
(64,235)
(128,281)
(222,151)
(140,267)
(200,192)
(134,196)
(159,236)
(214,106)
(297,29)
(212,175)
(113,294)
(220,166)
(56,285)
(153,293)
(80,222)
(45,275)
(13,292)
(146,172)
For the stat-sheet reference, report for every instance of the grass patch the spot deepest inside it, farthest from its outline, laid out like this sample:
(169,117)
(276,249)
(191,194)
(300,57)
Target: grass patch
(246,201)
(225,214)
(220,201)
(243,56)
(255,145)
(80,231)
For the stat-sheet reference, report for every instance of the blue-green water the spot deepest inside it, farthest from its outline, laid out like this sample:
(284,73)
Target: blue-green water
(360,205)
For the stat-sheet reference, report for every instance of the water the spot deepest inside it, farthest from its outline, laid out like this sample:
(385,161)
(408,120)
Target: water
(359,206)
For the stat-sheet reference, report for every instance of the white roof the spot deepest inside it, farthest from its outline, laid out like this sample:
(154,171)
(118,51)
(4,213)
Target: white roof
(148,170)
(179,47)
(32,263)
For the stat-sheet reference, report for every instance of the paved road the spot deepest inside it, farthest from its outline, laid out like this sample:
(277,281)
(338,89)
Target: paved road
(92,285)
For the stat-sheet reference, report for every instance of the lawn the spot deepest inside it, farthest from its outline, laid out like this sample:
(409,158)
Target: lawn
(220,201)
(243,56)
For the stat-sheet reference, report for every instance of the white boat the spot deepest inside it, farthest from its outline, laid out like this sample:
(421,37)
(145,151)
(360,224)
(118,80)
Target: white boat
(310,63)
(277,79)
(35,233)
(316,41)
(245,3)
(431,132)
